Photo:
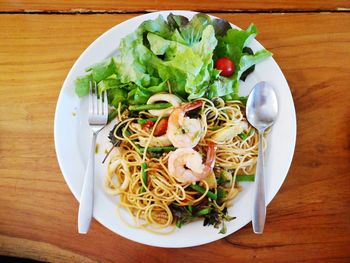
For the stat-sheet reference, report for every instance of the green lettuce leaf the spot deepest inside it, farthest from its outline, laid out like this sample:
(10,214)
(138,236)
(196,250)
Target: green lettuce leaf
(189,79)
(158,26)
(247,60)
(192,31)
(102,70)
(221,87)
(82,85)
(176,21)
(232,44)
(115,96)
(140,95)
(221,26)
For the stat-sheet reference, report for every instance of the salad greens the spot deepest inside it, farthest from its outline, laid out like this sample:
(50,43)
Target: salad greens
(176,55)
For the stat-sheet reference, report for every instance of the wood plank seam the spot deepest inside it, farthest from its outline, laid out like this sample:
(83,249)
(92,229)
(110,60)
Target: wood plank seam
(238,11)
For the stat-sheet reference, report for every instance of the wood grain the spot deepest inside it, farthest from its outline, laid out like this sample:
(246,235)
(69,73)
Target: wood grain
(121,6)
(308,221)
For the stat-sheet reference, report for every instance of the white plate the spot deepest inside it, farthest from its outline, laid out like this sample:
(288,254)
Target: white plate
(72,139)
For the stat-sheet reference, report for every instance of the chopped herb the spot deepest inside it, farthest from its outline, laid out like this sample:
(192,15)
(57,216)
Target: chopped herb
(96,148)
(217,218)
(181,215)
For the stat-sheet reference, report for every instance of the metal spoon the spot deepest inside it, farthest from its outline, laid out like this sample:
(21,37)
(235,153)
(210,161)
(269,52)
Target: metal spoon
(261,111)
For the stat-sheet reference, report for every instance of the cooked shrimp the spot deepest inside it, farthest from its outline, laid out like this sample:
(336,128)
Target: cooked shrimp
(186,165)
(184,132)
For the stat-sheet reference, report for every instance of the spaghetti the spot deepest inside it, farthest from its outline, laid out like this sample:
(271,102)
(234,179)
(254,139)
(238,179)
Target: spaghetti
(138,171)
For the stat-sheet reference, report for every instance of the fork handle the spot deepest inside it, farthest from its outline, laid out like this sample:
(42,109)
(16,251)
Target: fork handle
(87,194)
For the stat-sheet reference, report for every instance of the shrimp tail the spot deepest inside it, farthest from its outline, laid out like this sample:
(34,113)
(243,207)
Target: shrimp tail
(210,161)
(192,105)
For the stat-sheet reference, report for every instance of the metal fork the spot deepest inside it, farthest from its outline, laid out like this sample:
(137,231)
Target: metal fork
(98,114)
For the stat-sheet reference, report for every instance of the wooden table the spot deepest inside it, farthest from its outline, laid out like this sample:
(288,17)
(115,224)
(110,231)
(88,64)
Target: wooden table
(308,221)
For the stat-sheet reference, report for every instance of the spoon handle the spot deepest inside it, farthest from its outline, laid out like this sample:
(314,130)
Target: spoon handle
(259,207)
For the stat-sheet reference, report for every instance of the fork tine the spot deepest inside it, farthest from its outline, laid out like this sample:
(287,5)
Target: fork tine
(99,101)
(95,99)
(105,103)
(91,106)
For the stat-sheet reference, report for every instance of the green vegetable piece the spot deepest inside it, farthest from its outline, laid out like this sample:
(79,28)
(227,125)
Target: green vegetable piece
(82,85)
(220,87)
(158,149)
(201,190)
(176,21)
(221,193)
(243,99)
(144,176)
(250,70)
(190,208)
(225,176)
(156,106)
(178,223)
(112,115)
(243,136)
(223,229)
(158,26)
(245,178)
(247,61)
(141,95)
(144,121)
(116,96)
(192,31)
(203,211)
(221,26)
(102,70)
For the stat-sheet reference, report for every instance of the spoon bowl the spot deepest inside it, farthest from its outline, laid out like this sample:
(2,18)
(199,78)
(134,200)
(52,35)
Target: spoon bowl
(262,106)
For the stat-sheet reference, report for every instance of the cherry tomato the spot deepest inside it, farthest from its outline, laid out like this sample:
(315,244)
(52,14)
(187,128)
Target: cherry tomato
(226,66)
(148,124)
(161,127)
(185,200)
